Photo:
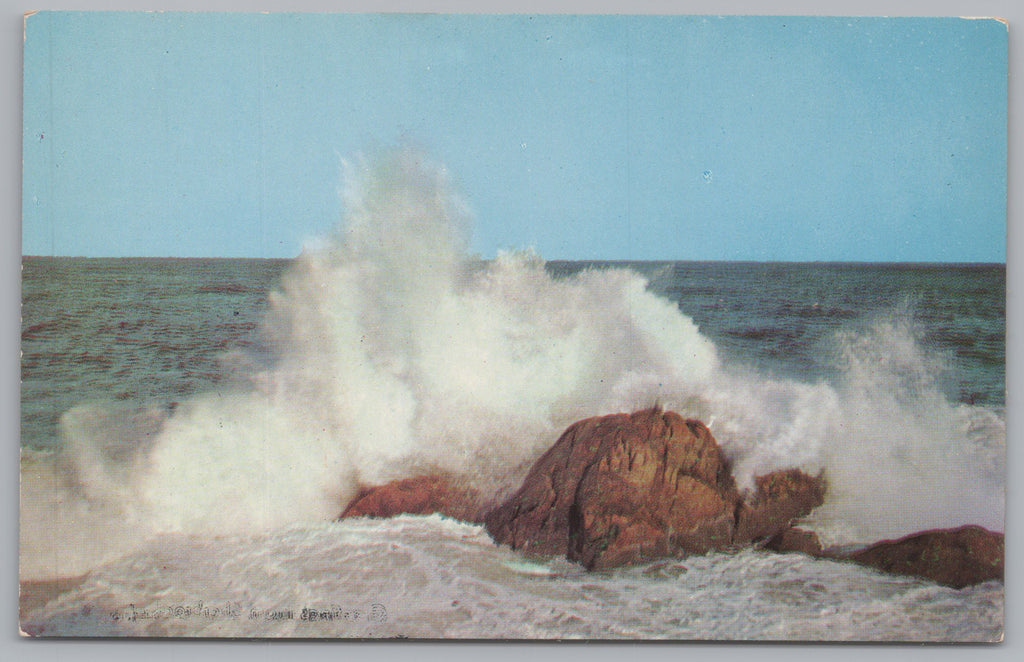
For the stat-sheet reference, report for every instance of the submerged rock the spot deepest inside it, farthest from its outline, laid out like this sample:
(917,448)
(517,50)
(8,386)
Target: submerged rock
(952,557)
(627,488)
(422,495)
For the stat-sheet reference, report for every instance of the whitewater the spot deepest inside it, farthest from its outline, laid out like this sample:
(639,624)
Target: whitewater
(387,351)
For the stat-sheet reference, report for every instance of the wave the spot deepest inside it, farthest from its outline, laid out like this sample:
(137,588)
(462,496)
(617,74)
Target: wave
(394,353)
(765,333)
(815,310)
(225,288)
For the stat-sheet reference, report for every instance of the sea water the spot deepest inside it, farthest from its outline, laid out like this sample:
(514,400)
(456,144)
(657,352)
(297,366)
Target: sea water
(191,428)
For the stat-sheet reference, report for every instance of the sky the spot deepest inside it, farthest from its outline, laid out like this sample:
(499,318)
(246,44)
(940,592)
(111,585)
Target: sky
(582,137)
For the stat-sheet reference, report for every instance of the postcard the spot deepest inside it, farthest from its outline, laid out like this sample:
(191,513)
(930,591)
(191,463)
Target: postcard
(513,327)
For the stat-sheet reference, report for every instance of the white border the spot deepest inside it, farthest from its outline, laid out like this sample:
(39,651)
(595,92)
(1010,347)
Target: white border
(13,647)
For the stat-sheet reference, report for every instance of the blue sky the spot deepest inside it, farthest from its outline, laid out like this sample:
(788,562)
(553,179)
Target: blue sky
(646,137)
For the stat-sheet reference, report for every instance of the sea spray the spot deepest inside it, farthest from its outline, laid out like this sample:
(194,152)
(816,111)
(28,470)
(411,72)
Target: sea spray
(390,352)
(903,457)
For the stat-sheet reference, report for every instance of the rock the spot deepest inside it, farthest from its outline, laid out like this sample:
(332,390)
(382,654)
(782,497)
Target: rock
(627,488)
(421,495)
(952,557)
(780,498)
(795,540)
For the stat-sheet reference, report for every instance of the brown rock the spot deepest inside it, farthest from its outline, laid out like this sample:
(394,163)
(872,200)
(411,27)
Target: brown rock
(422,495)
(780,498)
(631,487)
(953,557)
(795,540)
(620,489)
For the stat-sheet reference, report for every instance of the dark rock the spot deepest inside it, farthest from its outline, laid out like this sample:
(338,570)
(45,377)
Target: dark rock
(795,540)
(422,495)
(952,557)
(627,488)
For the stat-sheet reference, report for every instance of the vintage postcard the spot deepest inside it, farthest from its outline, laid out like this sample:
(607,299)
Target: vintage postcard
(513,327)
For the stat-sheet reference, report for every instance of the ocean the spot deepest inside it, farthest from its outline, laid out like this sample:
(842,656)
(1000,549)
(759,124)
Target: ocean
(191,429)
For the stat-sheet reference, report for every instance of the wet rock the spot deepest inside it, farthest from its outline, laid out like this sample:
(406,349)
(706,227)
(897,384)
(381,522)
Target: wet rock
(422,495)
(628,488)
(780,498)
(952,557)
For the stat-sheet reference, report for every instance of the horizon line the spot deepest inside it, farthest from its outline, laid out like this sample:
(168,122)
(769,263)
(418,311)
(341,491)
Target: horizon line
(544,259)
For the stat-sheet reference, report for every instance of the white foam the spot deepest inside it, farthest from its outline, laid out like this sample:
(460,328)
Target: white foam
(425,577)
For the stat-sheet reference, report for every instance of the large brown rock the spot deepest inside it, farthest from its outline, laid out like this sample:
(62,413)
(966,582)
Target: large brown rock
(627,488)
(953,557)
(422,495)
